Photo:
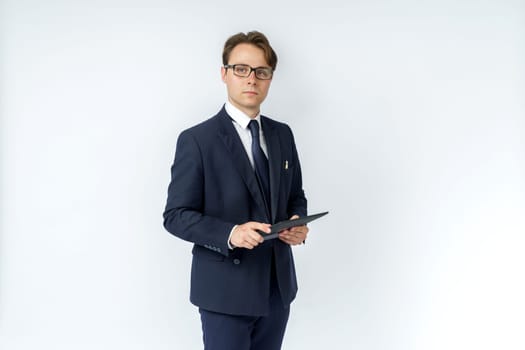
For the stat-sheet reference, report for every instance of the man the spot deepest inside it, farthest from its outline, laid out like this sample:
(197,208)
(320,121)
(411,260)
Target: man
(233,175)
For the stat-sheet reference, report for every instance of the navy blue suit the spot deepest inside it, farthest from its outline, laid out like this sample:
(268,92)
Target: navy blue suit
(213,187)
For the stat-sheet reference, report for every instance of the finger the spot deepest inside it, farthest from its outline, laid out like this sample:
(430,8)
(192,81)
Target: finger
(285,234)
(254,241)
(299,237)
(299,229)
(261,227)
(286,238)
(256,236)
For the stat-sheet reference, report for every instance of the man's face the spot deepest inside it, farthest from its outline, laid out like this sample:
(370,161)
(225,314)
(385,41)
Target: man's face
(247,93)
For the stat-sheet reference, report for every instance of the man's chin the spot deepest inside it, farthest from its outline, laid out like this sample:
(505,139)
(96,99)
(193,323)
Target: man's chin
(252,102)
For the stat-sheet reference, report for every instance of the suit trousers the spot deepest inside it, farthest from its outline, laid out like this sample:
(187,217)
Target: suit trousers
(231,332)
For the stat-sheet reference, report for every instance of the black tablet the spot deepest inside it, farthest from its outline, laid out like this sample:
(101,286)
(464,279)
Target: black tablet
(283,225)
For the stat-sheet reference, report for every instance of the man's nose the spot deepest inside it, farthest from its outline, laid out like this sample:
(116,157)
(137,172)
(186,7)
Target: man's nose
(251,77)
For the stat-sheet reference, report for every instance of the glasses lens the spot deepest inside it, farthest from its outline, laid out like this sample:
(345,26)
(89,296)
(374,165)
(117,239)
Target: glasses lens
(241,70)
(263,73)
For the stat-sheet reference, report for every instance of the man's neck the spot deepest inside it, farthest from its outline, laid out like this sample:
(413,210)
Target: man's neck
(250,112)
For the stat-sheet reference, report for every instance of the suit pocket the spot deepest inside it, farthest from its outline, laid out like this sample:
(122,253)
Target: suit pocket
(288,176)
(207,254)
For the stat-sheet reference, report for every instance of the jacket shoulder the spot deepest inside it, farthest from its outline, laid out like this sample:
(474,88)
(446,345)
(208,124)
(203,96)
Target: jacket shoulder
(205,127)
(281,127)
(272,122)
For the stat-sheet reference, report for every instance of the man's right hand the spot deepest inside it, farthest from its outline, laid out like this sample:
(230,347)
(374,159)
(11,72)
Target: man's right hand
(246,235)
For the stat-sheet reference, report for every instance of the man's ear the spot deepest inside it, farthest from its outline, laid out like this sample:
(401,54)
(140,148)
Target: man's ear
(223,74)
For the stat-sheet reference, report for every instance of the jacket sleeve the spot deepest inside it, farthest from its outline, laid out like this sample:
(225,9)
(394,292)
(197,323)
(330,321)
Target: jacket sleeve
(183,215)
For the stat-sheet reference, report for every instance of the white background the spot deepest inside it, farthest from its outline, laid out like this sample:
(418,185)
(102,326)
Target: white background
(410,121)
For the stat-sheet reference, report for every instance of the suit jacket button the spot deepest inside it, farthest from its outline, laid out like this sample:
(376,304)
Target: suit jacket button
(236,261)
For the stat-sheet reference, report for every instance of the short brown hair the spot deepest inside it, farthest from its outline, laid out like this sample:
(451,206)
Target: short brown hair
(255,38)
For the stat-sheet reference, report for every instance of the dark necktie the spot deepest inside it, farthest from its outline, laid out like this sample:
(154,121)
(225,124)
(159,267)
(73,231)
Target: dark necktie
(261,162)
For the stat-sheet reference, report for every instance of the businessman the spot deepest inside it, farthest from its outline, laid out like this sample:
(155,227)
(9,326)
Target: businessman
(233,176)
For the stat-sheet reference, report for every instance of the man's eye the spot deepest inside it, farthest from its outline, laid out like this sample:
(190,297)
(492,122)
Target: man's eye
(242,70)
(265,73)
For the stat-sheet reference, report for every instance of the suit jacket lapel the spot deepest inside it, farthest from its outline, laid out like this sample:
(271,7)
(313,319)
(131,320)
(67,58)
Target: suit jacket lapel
(274,160)
(235,148)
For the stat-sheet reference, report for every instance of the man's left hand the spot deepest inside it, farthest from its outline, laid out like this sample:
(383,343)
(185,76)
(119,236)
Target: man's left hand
(294,235)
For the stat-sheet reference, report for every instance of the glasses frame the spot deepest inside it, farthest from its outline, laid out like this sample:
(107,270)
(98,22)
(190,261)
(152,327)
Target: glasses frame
(252,69)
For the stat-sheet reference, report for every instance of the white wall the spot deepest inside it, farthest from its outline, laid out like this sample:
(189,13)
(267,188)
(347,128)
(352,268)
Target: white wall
(409,117)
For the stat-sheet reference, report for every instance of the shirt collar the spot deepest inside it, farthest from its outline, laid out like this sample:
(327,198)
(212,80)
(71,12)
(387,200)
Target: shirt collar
(239,116)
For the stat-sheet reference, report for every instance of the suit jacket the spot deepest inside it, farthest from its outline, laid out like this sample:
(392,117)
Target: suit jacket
(214,187)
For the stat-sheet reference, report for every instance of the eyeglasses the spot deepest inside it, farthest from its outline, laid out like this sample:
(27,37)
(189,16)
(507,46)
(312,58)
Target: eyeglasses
(244,70)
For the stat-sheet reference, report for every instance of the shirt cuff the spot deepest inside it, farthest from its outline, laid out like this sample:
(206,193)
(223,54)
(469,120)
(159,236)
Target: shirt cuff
(231,246)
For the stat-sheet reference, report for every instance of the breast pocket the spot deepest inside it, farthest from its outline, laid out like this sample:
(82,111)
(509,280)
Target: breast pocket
(287,173)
